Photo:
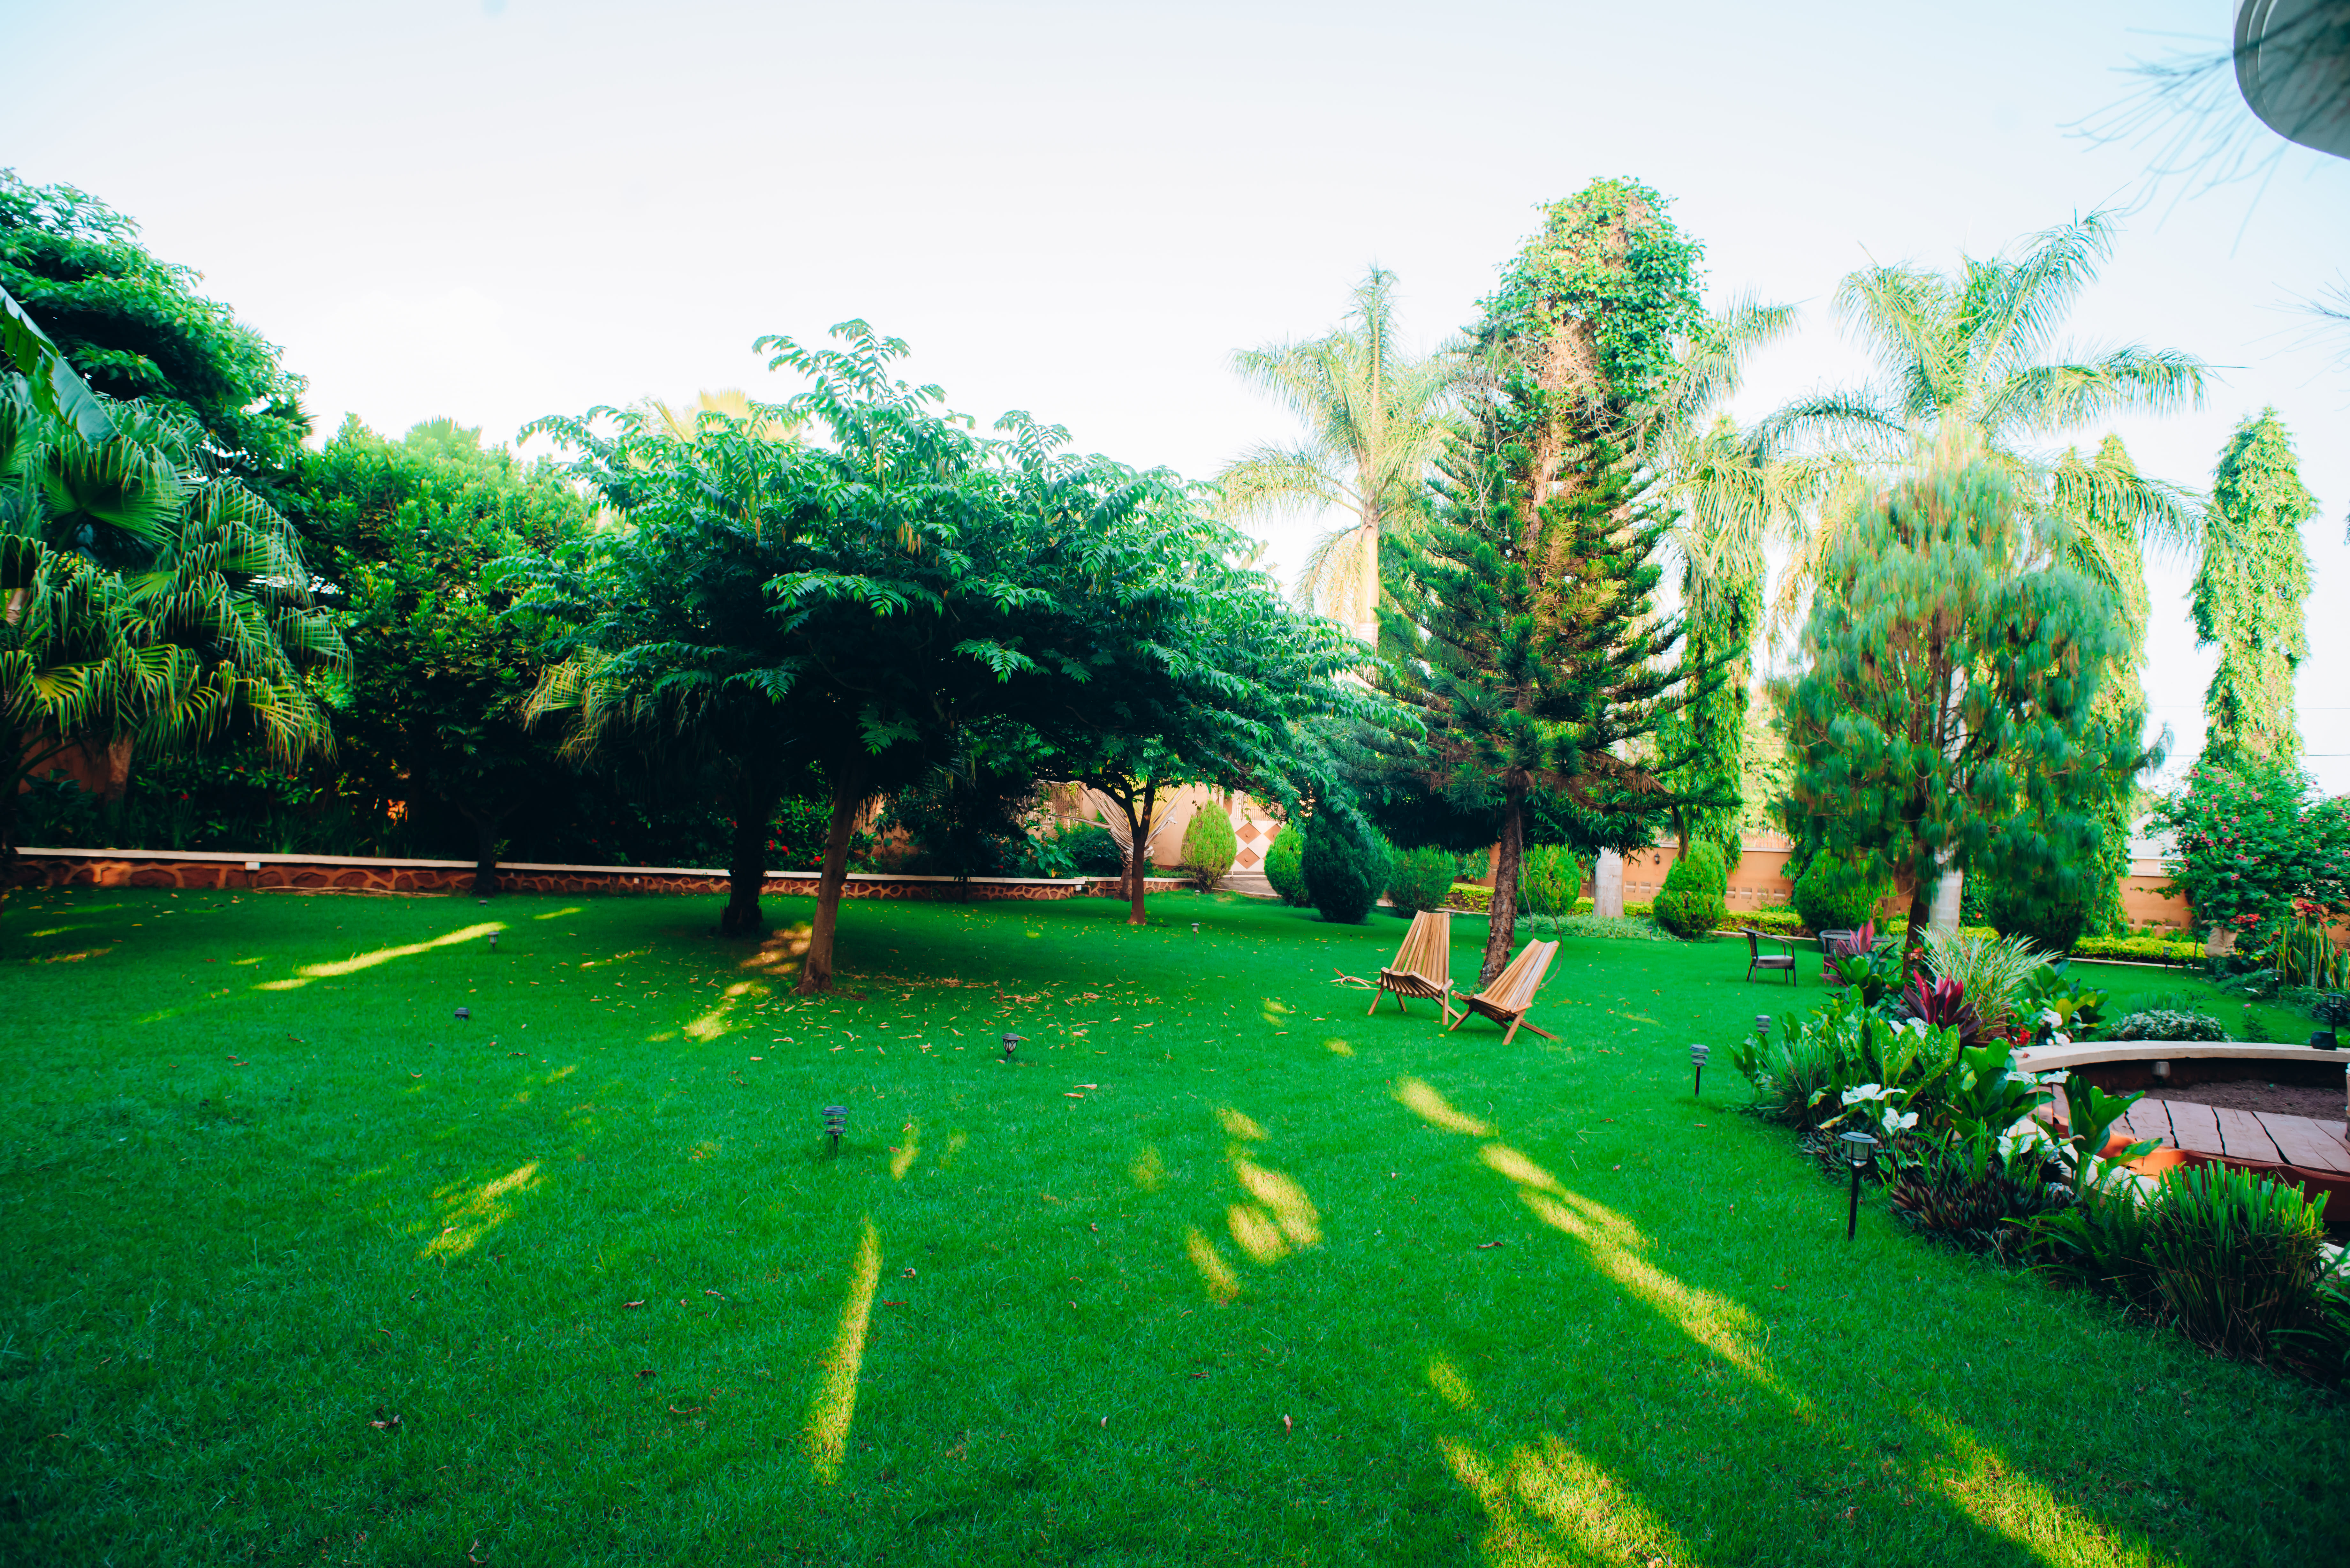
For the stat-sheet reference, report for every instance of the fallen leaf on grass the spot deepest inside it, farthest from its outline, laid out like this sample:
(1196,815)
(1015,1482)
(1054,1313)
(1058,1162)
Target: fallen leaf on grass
(1071,1095)
(385,1425)
(631,1304)
(1489,1246)
(694,1410)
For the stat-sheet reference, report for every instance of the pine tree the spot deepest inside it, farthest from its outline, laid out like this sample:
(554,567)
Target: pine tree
(2249,595)
(1530,652)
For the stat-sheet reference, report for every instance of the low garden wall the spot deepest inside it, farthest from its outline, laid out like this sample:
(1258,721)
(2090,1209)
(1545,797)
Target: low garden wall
(348,874)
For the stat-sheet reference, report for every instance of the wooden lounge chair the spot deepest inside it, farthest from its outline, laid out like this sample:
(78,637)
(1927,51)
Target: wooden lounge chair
(1757,958)
(1513,992)
(1423,965)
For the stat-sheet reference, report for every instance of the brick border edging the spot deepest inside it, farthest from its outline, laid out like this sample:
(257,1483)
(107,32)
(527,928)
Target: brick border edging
(54,867)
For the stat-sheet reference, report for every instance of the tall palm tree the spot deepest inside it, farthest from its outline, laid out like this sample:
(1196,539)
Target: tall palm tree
(1374,417)
(1973,360)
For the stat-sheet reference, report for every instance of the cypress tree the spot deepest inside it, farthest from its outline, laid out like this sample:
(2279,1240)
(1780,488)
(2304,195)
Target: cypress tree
(2249,595)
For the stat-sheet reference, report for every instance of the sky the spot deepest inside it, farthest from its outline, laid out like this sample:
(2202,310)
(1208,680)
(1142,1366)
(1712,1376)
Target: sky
(493,210)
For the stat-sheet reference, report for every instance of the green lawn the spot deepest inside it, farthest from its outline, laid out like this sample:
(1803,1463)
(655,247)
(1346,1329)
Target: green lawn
(1284,1283)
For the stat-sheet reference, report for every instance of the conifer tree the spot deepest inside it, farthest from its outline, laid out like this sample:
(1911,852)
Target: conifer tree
(2249,595)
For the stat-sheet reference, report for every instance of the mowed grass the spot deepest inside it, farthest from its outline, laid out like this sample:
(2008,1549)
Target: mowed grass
(299,1269)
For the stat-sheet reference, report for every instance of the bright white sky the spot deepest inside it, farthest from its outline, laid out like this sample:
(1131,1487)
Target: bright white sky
(498,209)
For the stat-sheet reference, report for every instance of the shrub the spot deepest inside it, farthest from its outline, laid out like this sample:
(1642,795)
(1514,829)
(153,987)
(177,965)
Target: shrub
(2148,949)
(1284,866)
(2234,1262)
(1549,878)
(1421,879)
(1690,904)
(2168,1025)
(1979,1193)
(1344,869)
(1833,897)
(2032,910)
(1629,929)
(1090,850)
(1995,971)
(1209,845)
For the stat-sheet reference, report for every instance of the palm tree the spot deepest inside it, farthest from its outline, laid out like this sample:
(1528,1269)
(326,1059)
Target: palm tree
(147,605)
(1968,360)
(1375,417)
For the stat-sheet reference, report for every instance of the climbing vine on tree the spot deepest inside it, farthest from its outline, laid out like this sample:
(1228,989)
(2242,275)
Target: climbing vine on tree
(2249,592)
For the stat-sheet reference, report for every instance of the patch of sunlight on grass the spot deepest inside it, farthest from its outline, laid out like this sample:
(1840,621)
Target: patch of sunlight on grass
(1253,1229)
(310,973)
(560,1073)
(779,953)
(2005,1501)
(1616,1245)
(901,1159)
(1509,1162)
(1291,1208)
(558,914)
(482,1211)
(833,1408)
(1238,1125)
(1449,1385)
(243,963)
(1338,1047)
(1554,1506)
(1214,1273)
(1423,1101)
(1274,1011)
(1149,1172)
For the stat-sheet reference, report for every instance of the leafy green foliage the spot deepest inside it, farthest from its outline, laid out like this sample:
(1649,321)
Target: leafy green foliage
(2232,1259)
(2255,846)
(135,328)
(2167,1023)
(2249,593)
(1832,896)
(1997,971)
(1420,880)
(1345,867)
(1945,718)
(1209,845)
(1549,880)
(1285,865)
(1690,903)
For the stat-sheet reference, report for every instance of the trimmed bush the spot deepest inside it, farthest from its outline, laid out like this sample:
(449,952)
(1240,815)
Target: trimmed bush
(1209,845)
(1285,865)
(1421,879)
(1548,880)
(2149,949)
(2032,909)
(2167,1024)
(1833,897)
(1344,873)
(1690,903)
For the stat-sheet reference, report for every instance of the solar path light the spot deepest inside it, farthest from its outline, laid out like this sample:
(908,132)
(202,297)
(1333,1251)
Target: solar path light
(1698,1054)
(836,1122)
(1011,1043)
(1860,1148)
(463,1013)
(1762,1027)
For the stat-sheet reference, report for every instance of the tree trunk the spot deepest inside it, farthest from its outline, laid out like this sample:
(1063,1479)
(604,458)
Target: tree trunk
(746,866)
(815,970)
(1137,868)
(1501,911)
(485,853)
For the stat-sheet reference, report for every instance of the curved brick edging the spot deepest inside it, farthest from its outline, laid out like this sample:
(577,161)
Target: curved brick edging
(348,874)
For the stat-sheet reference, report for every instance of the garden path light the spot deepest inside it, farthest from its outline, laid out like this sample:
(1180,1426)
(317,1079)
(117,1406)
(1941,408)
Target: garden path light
(1860,1148)
(836,1122)
(1012,1041)
(1698,1054)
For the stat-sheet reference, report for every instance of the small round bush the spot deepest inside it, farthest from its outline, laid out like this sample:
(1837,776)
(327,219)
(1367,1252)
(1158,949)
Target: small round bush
(1209,845)
(1691,905)
(1344,872)
(1833,897)
(2168,1025)
(1421,880)
(1284,866)
(2033,910)
(1549,881)
(1090,850)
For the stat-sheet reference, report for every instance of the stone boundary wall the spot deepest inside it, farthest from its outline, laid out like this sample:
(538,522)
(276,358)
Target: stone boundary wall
(345,874)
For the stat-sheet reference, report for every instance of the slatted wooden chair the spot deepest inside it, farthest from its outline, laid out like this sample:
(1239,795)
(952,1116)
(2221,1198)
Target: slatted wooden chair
(1423,965)
(1757,958)
(1513,992)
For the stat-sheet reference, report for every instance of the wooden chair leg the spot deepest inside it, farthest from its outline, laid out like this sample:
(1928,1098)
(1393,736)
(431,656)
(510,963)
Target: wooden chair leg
(1377,992)
(1511,1031)
(1540,1030)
